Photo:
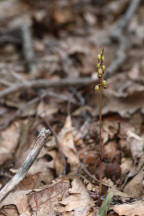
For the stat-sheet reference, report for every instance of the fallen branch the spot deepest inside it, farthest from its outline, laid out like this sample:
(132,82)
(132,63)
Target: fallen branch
(125,44)
(45,84)
(28,51)
(19,112)
(117,34)
(124,21)
(16,179)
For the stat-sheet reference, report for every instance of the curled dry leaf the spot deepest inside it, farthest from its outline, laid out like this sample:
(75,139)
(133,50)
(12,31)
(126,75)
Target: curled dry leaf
(133,209)
(136,144)
(134,188)
(65,138)
(42,202)
(46,110)
(8,142)
(120,97)
(79,200)
(17,199)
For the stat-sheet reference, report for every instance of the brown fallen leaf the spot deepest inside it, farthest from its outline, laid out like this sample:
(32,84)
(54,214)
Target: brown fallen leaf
(8,142)
(46,110)
(135,143)
(132,209)
(79,200)
(17,199)
(42,202)
(123,97)
(67,146)
(134,188)
(45,202)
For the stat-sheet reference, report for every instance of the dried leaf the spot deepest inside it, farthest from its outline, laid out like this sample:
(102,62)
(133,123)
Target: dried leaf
(134,188)
(65,138)
(136,144)
(132,209)
(8,142)
(79,200)
(44,201)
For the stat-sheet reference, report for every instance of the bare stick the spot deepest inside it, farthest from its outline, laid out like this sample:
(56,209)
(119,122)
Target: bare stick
(16,179)
(123,22)
(19,112)
(125,44)
(118,35)
(27,46)
(46,84)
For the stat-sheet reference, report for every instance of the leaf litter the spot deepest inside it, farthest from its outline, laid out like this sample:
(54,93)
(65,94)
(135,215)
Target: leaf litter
(64,178)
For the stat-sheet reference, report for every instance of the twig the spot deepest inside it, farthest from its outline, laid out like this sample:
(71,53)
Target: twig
(27,46)
(16,179)
(117,34)
(140,81)
(31,102)
(17,76)
(46,84)
(6,38)
(123,22)
(62,156)
(18,113)
(5,82)
(125,44)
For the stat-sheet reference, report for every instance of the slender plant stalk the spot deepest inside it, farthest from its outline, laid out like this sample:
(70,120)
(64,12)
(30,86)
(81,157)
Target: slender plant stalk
(100,145)
(99,87)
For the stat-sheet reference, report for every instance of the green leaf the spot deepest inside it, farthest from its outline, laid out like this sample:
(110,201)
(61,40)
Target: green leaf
(105,205)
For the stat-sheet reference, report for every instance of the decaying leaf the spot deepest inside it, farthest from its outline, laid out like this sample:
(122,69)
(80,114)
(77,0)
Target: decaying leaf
(134,188)
(65,138)
(8,142)
(120,98)
(79,200)
(44,201)
(132,209)
(136,144)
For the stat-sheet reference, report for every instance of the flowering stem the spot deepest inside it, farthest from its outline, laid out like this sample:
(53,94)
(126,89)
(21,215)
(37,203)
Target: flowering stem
(100,144)
(99,87)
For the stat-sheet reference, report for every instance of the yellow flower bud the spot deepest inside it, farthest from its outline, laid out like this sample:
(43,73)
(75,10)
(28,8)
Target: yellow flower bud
(98,65)
(97,88)
(103,68)
(100,72)
(104,83)
(102,58)
(99,57)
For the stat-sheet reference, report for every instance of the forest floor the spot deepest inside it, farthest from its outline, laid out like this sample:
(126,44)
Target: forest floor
(48,58)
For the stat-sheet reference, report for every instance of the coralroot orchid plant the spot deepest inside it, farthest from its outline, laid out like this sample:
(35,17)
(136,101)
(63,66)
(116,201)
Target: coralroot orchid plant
(99,87)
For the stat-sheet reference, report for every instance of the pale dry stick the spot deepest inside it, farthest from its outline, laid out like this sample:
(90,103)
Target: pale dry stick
(116,34)
(4,82)
(125,44)
(123,22)
(41,83)
(31,157)
(18,77)
(28,45)
(19,112)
